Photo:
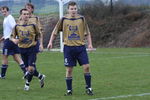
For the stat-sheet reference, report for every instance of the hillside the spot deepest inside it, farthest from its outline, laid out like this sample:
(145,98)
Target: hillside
(124,26)
(131,30)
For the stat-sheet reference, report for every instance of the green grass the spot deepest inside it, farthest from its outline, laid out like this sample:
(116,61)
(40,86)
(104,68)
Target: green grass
(115,72)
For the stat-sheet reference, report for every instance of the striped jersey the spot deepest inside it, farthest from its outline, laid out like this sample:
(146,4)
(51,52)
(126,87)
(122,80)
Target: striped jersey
(36,20)
(74,30)
(27,33)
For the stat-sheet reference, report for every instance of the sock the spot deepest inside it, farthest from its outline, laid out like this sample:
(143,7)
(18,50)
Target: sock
(27,83)
(3,70)
(29,76)
(87,77)
(22,66)
(69,83)
(40,76)
(36,73)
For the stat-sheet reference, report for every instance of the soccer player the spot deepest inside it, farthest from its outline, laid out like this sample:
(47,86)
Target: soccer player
(26,34)
(75,30)
(9,48)
(34,18)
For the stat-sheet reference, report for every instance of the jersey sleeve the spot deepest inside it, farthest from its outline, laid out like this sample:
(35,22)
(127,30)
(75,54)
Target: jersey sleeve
(37,31)
(58,27)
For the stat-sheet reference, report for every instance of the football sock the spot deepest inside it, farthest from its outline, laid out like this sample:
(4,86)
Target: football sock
(40,76)
(3,70)
(87,77)
(27,83)
(69,83)
(29,76)
(36,73)
(22,66)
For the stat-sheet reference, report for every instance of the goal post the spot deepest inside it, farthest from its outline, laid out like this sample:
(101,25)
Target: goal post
(61,10)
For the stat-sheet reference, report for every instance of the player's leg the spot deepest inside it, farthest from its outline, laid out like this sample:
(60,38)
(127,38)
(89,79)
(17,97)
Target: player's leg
(29,76)
(16,56)
(69,62)
(69,80)
(87,77)
(40,76)
(5,53)
(84,61)
(29,68)
(4,66)
(18,59)
(32,62)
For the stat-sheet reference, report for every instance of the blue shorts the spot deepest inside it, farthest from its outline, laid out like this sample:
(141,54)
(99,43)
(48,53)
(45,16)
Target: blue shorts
(10,48)
(28,55)
(72,54)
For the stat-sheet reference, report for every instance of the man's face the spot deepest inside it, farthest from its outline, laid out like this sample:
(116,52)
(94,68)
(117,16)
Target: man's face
(29,9)
(25,15)
(72,10)
(4,12)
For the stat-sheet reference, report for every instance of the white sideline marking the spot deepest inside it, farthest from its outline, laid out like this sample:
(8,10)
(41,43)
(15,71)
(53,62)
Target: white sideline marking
(144,53)
(122,96)
(114,57)
(128,56)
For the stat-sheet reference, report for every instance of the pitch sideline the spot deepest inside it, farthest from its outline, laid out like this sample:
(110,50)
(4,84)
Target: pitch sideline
(122,96)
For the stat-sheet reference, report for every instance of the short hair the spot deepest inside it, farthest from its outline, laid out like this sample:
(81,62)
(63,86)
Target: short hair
(23,9)
(71,3)
(30,4)
(4,7)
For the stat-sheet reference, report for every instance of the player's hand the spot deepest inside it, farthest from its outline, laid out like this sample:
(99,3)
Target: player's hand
(49,46)
(16,41)
(41,48)
(90,48)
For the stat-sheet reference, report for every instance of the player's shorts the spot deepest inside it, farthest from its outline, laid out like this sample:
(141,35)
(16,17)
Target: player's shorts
(10,48)
(74,54)
(28,55)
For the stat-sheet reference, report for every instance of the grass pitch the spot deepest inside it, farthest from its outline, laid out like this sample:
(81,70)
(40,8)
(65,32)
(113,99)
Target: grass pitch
(115,72)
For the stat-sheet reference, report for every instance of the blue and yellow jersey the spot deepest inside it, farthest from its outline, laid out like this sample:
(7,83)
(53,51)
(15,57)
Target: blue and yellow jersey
(74,30)
(36,20)
(27,33)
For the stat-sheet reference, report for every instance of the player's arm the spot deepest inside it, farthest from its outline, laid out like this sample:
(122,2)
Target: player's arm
(41,41)
(88,36)
(57,28)
(1,39)
(38,34)
(14,36)
(41,33)
(90,46)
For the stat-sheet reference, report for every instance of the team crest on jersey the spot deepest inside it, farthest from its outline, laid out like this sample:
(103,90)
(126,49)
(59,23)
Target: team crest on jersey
(24,33)
(73,35)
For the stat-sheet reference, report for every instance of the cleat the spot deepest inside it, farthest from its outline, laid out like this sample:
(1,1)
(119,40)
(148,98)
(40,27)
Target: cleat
(2,77)
(89,91)
(26,88)
(69,93)
(42,81)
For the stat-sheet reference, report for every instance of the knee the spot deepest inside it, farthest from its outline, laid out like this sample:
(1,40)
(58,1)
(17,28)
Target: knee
(31,69)
(86,68)
(69,72)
